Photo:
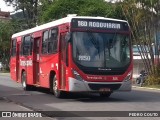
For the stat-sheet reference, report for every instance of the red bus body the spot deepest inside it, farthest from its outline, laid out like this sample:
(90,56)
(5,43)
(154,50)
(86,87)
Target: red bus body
(41,66)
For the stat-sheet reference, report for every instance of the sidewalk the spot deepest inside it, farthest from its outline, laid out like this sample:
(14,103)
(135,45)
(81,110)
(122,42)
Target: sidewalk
(134,85)
(147,88)
(9,107)
(4,74)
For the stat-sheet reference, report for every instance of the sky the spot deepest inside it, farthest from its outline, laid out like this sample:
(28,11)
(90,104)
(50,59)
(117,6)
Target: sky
(4,7)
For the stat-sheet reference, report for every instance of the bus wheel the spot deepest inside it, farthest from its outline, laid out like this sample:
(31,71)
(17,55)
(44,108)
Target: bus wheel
(57,93)
(105,94)
(24,84)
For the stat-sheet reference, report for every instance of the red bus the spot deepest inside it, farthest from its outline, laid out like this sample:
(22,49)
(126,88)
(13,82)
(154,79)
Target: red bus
(74,54)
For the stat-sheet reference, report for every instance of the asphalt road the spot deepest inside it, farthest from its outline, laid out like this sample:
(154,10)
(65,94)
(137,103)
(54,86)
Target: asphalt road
(42,100)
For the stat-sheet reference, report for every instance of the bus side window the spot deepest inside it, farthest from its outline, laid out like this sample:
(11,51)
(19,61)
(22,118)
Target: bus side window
(45,42)
(13,49)
(53,40)
(27,45)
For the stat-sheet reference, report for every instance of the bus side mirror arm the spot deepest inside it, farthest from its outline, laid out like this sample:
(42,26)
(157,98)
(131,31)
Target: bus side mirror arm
(68,37)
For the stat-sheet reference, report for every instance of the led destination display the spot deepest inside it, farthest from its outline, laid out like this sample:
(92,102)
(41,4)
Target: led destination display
(99,24)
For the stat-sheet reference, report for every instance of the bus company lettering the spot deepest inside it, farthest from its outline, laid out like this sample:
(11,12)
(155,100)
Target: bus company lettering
(99,24)
(95,78)
(26,63)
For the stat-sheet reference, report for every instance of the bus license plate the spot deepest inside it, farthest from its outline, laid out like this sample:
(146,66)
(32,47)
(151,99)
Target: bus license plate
(104,89)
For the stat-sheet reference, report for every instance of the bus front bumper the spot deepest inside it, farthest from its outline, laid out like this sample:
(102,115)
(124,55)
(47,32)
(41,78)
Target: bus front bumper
(84,86)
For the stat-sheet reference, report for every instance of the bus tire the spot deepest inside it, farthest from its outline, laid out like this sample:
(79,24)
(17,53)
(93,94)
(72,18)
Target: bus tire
(24,81)
(105,94)
(57,93)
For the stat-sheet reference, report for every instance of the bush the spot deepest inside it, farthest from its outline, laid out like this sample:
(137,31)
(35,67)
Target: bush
(154,78)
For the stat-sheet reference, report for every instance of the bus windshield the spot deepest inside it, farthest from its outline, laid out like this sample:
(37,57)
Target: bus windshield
(101,50)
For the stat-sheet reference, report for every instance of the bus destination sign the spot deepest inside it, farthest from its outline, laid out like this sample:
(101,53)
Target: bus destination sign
(99,24)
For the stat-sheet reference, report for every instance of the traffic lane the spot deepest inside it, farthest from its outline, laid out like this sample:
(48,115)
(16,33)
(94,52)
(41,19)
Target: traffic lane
(143,95)
(43,100)
(130,101)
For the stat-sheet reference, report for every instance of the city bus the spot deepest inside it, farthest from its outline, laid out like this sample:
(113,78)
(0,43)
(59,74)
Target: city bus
(74,54)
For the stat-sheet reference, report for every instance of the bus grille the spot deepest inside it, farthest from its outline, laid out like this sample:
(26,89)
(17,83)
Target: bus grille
(98,86)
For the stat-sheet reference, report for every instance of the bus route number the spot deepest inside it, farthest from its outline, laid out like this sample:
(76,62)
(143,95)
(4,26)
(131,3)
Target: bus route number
(82,23)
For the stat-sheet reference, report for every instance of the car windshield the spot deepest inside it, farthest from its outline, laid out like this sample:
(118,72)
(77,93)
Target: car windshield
(102,50)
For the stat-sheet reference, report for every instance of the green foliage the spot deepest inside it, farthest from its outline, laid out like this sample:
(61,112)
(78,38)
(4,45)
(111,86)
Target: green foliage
(101,9)
(154,79)
(6,30)
(60,8)
(143,26)
(29,9)
(118,12)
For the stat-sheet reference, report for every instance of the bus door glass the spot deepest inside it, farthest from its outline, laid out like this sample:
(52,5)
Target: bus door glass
(17,61)
(63,48)
(36,46)
(13,59)
(26,61)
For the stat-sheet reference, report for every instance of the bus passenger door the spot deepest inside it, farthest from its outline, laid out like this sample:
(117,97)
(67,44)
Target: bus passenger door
(14,61)
(17,61)
(36,46)
(62,65)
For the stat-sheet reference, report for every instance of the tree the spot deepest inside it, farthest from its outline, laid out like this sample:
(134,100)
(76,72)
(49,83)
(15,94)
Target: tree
(29,9)
(6,30)
(143,17)
(60,8)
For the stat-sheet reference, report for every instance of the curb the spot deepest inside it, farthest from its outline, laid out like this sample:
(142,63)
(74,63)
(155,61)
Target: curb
(5,74)
(146,88)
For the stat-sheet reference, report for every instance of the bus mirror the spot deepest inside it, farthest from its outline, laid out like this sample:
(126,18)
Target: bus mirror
(68,37)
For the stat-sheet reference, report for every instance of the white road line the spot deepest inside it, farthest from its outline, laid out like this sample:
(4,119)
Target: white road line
(146,88)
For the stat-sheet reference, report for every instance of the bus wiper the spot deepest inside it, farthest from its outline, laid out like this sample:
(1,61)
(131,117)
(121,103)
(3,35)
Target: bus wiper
(114,37)
(94,42)
(111,41)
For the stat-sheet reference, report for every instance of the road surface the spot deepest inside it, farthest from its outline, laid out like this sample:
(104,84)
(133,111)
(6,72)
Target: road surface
(42,100)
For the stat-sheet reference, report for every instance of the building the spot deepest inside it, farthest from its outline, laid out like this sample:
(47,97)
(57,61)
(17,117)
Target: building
(4,16)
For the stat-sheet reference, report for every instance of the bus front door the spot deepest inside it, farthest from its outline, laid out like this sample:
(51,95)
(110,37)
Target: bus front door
(36,46)
(17,62)
(62,65)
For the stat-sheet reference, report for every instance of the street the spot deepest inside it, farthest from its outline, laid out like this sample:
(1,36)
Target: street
(42,100)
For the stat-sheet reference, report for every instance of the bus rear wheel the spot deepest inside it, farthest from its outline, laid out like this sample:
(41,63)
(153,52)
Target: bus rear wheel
(57,93)
(24,82)
(105,94)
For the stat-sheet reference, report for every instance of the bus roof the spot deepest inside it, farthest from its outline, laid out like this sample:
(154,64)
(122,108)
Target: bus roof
(58,22)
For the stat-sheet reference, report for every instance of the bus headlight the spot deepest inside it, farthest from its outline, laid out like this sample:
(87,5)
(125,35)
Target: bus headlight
(128,77)
(77,75)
